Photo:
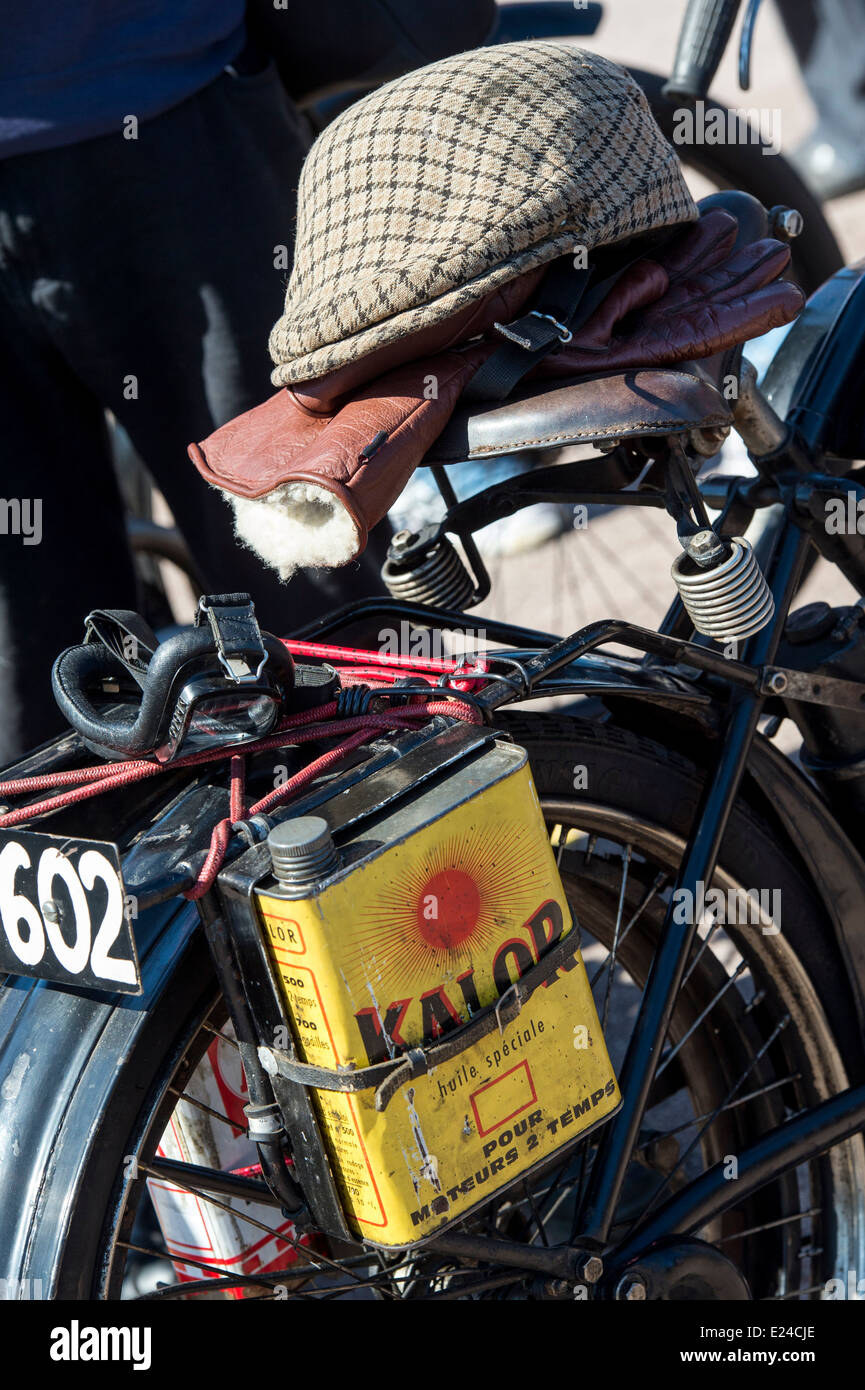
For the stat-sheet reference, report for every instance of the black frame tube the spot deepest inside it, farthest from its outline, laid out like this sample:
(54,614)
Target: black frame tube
(796,1141)
(224,1184)
(270,1156)
(618,1137)
(424,615)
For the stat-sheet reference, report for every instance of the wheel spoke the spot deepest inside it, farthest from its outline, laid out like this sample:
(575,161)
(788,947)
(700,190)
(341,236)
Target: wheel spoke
(535,1214)
(188,1260)
(769,1226)
(757,999)
(546,1197)
(742,1100)
(714,1115)
(797,1293)
(731,980)
(650,893)
(200,1105)
(559,833)
(483,1283)
(626,861)
(230,1281)
(703,944)
(315,1258)
(223,1037)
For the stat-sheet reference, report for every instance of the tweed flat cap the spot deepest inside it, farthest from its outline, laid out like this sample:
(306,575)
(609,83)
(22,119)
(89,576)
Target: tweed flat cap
(431,192)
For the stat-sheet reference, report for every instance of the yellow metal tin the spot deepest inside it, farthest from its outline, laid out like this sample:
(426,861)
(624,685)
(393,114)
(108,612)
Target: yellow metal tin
(431,917)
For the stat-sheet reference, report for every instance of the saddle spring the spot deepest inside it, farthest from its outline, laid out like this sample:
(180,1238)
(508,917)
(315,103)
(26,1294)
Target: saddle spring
(726,595)
(434,575)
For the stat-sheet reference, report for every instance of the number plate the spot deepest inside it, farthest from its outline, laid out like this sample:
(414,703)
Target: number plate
(64,914)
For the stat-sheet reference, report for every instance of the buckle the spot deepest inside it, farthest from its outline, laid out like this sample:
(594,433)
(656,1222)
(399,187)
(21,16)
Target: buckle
(236,634)
(565,335)
(417,1060)
(531,337)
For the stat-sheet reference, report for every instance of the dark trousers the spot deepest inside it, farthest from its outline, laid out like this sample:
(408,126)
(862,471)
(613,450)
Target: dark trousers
(143,276)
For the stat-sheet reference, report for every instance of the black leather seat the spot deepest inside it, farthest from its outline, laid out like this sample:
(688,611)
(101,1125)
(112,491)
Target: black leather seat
(589,409)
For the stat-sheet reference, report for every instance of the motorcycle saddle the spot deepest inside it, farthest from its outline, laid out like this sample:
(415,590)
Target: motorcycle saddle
(584,410)
(595,408)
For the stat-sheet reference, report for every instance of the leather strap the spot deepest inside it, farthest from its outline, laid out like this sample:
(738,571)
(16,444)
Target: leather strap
(126,635)
(389,1076)
(566,300)
(236,634)
(534,334)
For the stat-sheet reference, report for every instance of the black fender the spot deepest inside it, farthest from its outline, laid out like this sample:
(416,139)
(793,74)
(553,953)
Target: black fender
(832,861)
(61,1051)
(815,379)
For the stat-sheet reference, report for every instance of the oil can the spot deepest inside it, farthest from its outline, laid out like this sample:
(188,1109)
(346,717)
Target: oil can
(395,933)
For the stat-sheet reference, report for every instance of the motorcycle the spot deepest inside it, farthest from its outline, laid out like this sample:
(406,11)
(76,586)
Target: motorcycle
(339,977)
(715,893)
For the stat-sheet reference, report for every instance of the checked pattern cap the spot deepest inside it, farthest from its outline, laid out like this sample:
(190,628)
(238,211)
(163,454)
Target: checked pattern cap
(431,192)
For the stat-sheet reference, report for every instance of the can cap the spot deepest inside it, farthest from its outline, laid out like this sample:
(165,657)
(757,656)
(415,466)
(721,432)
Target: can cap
(302,851)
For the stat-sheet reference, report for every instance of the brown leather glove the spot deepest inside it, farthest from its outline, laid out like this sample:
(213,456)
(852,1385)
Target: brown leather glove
(313,468)
(306,487)
(693,299)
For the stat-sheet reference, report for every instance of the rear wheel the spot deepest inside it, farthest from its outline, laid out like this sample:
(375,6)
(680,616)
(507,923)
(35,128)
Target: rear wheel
(742,164)
(752,1041)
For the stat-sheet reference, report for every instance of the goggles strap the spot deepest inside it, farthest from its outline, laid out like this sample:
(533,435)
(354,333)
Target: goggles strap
(126,635)
(236,634)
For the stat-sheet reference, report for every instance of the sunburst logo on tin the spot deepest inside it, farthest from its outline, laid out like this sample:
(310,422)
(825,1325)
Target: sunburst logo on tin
(449,909)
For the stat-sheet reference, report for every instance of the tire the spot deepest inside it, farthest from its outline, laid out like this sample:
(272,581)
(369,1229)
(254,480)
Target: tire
(643,781)
(816,254)
(96,1088)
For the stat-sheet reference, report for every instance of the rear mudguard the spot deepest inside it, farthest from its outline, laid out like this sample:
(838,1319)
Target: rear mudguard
(831,860)
(60,1050)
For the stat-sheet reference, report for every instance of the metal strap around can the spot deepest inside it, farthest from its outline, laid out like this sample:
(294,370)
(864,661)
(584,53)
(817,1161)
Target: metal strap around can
(387,1077)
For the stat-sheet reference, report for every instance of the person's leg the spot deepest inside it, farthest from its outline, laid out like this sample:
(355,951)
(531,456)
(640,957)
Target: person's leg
(176,246)
(62,540)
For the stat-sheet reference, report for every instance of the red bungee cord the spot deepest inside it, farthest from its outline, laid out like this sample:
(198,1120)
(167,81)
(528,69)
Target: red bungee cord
(307,726)
(376,663)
